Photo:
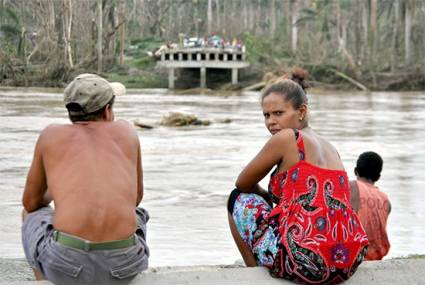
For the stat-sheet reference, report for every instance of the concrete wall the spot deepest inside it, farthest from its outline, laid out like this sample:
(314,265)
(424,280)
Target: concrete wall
(395,271)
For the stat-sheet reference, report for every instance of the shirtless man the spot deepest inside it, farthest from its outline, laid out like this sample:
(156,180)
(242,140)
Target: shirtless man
(92,171)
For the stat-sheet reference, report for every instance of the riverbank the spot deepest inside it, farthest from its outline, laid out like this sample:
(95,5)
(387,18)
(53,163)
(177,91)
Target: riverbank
(393,271)
(141,76)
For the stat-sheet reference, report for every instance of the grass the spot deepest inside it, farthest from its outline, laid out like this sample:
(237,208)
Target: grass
(136,81)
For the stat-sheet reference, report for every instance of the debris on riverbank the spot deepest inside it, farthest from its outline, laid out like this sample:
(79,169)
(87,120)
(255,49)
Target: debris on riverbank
(142,125)
(180,119)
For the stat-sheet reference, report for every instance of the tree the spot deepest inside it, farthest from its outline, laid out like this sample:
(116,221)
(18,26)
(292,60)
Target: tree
(408,20)
(99,35)
(67,26)
(209,17)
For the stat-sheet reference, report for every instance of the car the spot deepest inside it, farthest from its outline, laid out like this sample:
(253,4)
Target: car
(192,42)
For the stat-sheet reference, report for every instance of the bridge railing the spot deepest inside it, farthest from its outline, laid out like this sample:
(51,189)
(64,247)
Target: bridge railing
(203,54)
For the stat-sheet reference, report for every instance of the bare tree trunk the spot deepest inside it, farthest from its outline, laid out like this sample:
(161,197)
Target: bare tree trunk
(218,16)
(179,17)
(159,19)
(2,19)
(233,30)
(224,22)
(394,36)
(287,23)
(59,29)
(122,32)
(294,26)
(22,45)
(196,18)
(67,26)
(51,23)
(171,23)
(251,17)
(259,19)
(99,36)
(209,17)
(342,37)
(407,33)
(357,34)
(365,22)
(245,15)
(373,26)
(272,19)
(338,23)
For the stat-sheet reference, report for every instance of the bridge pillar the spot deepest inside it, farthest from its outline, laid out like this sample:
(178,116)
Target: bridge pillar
(171,78)
(234,76)
(203,77)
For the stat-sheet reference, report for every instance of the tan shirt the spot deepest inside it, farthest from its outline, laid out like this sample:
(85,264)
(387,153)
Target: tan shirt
(373,214)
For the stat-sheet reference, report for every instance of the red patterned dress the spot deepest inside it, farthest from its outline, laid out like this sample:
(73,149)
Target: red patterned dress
(321,238)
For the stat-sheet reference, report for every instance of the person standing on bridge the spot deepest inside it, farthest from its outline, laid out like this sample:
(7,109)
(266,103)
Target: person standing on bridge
(311,235)
(92,171)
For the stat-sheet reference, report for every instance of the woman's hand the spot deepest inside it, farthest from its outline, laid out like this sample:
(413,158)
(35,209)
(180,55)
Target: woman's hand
(264,194)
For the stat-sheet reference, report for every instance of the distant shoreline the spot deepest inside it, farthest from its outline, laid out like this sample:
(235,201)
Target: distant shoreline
(195,91)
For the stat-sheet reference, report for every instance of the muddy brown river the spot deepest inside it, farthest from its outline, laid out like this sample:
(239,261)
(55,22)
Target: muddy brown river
(189,171)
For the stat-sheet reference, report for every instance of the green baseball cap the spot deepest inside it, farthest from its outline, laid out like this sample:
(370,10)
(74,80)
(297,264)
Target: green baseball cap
(88,93)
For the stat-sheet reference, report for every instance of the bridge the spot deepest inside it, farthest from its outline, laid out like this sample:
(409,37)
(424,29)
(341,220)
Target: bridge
(202,58)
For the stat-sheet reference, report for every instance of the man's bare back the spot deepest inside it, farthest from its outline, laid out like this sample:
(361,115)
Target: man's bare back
(91,173)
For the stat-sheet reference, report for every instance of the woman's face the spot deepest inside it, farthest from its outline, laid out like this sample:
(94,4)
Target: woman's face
(279,114)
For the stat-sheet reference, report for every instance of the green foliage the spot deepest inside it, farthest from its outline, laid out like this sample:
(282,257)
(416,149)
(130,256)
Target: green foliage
(257,48)
(11,27)
(147,43)
(136,81)
(10,32)
(9,14)
(141,62)
(307,15)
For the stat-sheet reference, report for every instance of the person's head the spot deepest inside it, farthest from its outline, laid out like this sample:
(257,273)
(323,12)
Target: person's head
(369,166)
(284,102)
(90,97)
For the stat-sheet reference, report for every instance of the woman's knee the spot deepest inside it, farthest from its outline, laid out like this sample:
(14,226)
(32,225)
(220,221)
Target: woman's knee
(232,200)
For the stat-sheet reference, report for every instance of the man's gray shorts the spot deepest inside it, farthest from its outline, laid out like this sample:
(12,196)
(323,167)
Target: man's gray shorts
(66,265)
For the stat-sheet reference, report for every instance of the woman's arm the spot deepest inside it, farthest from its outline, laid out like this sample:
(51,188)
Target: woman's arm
(270,155)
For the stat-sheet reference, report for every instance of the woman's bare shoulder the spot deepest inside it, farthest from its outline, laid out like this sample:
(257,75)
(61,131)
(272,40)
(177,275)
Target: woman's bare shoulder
(283,136)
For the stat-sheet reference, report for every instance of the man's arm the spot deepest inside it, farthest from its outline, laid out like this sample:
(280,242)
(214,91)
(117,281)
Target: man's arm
(354,200)
(139,174)
(35,193)
(389,207)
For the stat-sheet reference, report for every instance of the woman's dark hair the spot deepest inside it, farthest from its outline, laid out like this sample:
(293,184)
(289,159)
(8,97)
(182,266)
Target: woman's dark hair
(369,166)
(292,87)
(93,116)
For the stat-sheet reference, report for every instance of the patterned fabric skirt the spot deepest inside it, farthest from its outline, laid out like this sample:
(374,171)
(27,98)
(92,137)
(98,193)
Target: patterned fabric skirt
(260,232)
(250,213)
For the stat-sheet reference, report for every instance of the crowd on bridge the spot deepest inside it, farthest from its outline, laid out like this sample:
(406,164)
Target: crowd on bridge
(211,41)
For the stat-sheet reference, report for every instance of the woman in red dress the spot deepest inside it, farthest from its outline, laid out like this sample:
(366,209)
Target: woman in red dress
(303,228)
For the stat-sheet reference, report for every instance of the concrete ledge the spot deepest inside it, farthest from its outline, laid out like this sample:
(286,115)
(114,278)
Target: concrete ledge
(395,271)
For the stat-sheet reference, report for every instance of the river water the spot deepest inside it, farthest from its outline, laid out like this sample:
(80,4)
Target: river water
(189,171)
